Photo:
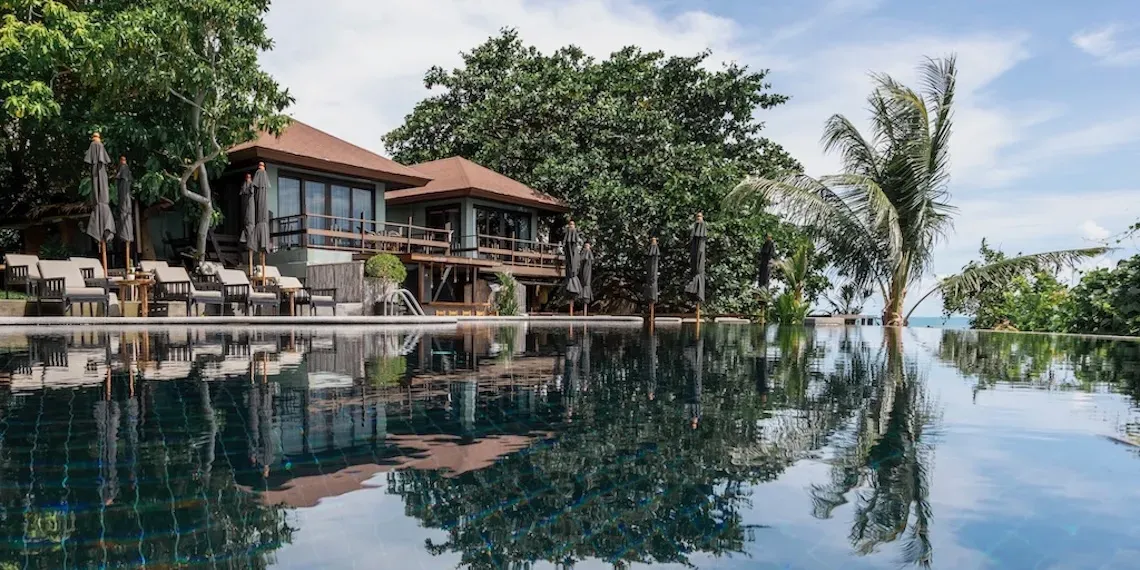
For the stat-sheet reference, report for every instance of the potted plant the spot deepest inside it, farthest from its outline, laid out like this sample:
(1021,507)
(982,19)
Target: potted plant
(383,274)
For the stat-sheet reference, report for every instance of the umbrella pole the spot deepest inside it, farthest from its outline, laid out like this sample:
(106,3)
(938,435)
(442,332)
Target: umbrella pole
(698,318)
(263,266)
(103,254)
(652,306)
(127,263)
(585,309)
(249,265)
(571,308)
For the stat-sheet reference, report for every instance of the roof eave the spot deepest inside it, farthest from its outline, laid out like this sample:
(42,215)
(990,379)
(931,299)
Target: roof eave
(478,193)
(286,158)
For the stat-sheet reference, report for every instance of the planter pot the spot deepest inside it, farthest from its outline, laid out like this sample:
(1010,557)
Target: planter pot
(375,292)
(14,308)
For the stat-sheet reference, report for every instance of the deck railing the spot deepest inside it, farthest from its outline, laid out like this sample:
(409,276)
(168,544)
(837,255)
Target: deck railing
(357,235)
(513,251)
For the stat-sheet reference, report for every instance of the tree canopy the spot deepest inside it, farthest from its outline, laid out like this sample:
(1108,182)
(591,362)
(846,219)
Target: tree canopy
(637,144)
(170,84)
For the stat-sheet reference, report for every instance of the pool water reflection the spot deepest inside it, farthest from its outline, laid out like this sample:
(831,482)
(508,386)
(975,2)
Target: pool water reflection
(515,447)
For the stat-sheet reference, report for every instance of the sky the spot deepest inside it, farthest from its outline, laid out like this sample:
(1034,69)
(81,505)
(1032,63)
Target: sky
(1047,119)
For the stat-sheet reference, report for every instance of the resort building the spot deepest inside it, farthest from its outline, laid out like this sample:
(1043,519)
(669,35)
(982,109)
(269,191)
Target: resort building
(453,223)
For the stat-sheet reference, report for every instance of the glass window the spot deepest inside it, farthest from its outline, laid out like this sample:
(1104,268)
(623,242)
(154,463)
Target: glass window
(288,197)
(363,207)
(316,205)
(340,200)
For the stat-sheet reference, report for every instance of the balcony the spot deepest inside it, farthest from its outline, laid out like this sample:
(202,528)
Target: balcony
(357,235)
(520,253)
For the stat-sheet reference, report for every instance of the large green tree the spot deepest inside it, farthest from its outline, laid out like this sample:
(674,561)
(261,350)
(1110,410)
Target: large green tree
(880,220)
(637,144)
(171,84)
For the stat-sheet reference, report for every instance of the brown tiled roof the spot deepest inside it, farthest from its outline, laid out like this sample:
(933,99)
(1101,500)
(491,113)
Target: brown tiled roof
(457,176)
(303,146)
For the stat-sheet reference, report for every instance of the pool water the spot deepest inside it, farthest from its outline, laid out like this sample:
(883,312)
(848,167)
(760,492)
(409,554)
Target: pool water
(556,447)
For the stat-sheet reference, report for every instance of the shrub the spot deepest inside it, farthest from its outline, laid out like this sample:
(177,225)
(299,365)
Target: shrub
(385,266)
(386,371)
(506,300)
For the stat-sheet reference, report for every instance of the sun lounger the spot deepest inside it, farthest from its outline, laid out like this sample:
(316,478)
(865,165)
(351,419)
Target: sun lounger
(21,271)
(314,298)
(237,289)
(174,284)
(150,266)
(63,281)
(93,273)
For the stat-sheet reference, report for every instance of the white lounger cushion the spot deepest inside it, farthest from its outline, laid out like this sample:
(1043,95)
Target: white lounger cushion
(93,264)
(66,270)
(255,295)
(151,265)
(283,281)
(233,277)
(22,260)
(207,296)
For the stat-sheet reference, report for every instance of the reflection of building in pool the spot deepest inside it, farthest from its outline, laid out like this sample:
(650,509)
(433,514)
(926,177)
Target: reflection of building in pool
(361,405)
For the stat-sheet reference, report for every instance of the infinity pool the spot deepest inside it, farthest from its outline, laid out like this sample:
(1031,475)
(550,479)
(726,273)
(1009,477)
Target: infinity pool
(554,447)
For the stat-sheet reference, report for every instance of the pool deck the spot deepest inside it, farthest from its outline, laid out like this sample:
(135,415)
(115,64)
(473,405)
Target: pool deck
(214,321)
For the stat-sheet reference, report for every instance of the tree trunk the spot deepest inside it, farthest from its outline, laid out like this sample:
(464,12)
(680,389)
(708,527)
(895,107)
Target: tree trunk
(207,212)
(145,243)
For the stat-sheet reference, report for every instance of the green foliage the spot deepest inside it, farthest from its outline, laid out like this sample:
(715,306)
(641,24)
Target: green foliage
(787,310)
(506,299)
(1030,300)
(1106,301)
(849,299)
(386,371)
(637,144)
(54,248)
(385,266)
(169,84)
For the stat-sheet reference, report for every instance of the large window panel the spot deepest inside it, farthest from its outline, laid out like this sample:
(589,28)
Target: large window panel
(340,200)
(363,207)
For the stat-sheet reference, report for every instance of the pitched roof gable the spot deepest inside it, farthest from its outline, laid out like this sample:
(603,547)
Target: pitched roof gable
(458,176)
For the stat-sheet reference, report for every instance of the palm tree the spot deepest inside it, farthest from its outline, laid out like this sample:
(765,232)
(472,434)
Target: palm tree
(849,299)
(880,220)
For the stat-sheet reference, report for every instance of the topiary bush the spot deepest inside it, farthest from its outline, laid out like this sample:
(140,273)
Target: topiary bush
(385,266)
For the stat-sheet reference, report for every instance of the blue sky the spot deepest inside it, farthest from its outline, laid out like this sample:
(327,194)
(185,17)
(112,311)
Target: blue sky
(1048,118)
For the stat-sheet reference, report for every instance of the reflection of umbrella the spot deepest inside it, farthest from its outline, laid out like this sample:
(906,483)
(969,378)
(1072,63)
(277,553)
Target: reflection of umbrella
(587,274)
(651,365)
(107,426)
(570,251)
(101,225)
(764,272)
(261,216)
(123,181)
(571,376)
(696,286)
(696,357)
(261,424)
(249,218)
(652,263)
(585,360)
(133,437)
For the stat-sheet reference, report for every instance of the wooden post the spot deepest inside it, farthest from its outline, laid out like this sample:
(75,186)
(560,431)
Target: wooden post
(103,255)
(127,263)
(698,318)
(263,268)
(410,235)
(571,308)
(652,306)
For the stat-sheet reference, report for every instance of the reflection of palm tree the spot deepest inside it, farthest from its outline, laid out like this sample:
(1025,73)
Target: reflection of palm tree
(888,455)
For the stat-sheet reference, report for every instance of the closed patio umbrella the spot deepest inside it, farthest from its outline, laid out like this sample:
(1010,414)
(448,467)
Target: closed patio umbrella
(696,287)
(587,277)
(570,244)
(261,215)
(249,219)
(652,263)
(101,225)
(764,268)
(123,181)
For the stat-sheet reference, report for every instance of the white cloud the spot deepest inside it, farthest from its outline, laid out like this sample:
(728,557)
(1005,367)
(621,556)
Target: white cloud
(1107,45)
(356,66)
(836,80)
(1094,231)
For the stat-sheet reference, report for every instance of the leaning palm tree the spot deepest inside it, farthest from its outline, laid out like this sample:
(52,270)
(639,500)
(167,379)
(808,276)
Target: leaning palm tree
(880,220)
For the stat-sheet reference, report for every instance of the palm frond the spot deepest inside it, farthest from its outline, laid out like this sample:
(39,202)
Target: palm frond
(859,155)
(972,280)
